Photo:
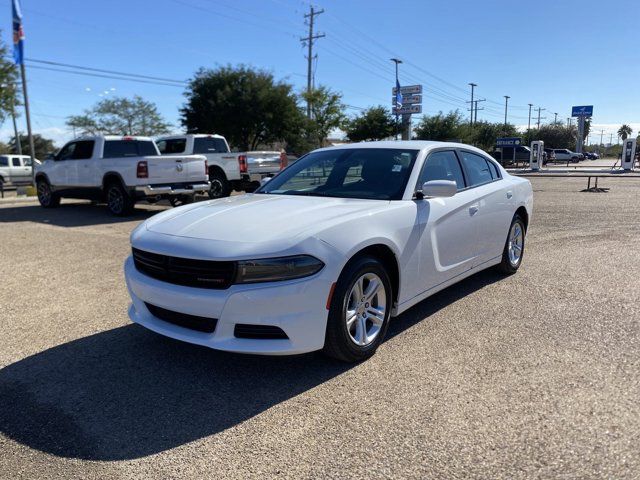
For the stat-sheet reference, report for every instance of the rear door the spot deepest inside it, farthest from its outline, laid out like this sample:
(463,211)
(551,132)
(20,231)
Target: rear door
(82,171)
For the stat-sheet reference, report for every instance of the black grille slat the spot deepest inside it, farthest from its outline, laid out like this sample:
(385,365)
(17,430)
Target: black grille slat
(185,271)
(259,332)
(192,322)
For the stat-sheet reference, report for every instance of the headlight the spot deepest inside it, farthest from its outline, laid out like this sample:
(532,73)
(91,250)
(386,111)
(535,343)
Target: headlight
(277,269)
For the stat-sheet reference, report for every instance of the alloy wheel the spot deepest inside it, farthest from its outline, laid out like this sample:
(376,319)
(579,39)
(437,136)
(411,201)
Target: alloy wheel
(516,241)
(366,308)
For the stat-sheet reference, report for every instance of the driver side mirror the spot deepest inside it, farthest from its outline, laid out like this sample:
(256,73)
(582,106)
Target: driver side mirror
(439,188)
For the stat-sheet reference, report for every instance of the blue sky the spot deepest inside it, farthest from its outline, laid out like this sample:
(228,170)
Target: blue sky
(553,54)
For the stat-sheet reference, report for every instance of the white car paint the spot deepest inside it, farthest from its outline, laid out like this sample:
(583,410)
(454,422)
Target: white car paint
(436,242)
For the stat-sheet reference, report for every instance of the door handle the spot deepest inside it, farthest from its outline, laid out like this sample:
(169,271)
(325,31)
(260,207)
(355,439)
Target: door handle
(509,194)
(473,209)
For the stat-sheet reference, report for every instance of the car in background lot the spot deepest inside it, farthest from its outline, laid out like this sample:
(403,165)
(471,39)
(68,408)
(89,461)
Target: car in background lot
(564,154)
(15,170)
(505,155)
(227,171)
(591,156)
(322,255)
(120,171)
(550,155)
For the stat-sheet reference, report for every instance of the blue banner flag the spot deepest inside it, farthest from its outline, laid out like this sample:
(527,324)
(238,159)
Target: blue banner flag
(18,33)
(398,96)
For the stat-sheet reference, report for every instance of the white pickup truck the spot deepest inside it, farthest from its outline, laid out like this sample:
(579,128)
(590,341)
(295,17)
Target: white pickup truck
(15,170)
(227,171)
(120,171)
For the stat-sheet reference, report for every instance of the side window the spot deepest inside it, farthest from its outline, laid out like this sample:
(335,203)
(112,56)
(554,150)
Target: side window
(495,171)
(162,146)
(477,169)
(16,162)
(442,166)
(176,145)
(83,150)
(66,153)
(4,161)
(209,145)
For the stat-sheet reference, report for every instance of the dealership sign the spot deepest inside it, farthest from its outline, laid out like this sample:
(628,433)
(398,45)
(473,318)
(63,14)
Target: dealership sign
(582,111)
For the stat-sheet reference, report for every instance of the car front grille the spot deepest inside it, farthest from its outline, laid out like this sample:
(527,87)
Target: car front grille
(192,322)
(260,332)
(185,271)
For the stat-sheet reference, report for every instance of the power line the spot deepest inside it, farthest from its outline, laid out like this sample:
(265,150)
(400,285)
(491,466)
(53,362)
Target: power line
(309,40)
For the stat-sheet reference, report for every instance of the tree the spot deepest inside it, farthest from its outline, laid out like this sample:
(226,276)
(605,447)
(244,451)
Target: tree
(624,131)
(440,127)
(8,79)
(120,116)
(327,111)
(42,145)
(375,123)
(484,134)
(556,136)
(247,106)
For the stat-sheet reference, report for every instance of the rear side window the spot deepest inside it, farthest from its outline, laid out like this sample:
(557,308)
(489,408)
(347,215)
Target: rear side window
(173,145)
(477,168)
(209,145)
(16,162)
(4,161)
(442,166)
(129,148)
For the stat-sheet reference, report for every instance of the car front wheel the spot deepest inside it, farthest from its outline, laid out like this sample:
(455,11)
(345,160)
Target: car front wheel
(359,312)
(513,247)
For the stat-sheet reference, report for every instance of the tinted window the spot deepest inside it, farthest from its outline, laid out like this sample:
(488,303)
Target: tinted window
(83,150)
(495,172)
(16,162)
(442,166)
(66,152)
(371,173)
(128,148)
(4,162)
(209,145)
(174,145)
(477,169)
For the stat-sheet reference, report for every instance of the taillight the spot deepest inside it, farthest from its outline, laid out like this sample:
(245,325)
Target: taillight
(206,168)
(284,161)
(242,161)
(143,170)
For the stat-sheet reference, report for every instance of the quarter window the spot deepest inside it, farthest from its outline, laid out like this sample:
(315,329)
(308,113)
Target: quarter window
(16,162)
(442,166)
(209,145)
(477,169)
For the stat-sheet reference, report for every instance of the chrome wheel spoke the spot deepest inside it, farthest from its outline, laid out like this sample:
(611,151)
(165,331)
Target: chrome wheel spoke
(372,290)
(361,331)
(365,312)
(352,316)
(376,315)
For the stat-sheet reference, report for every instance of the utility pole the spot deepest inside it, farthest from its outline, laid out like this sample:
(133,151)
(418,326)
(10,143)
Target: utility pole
(309,43)
(475,116)
(397,61)
(539,117)
(529,124)
(555,120)
(506,103)
(473,85)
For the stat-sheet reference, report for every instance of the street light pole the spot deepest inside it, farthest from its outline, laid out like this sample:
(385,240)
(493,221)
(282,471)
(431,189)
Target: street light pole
(396,61)
(555,120)
(506,103)
(473,85)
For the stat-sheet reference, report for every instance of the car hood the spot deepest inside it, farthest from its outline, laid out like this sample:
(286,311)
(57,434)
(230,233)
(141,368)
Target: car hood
(260,218)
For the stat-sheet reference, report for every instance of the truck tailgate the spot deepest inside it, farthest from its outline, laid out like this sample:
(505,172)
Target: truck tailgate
(176,169)
(263,162)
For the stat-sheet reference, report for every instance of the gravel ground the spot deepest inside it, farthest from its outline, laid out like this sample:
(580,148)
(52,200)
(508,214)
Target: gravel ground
(532,376)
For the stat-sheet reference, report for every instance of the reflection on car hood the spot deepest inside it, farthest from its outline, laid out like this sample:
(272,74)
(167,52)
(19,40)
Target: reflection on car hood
(259,217)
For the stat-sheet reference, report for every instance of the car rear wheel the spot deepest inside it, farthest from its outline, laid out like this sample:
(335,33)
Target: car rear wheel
(513,247)
(220,186)
(46,196)
(118,200)
(181,200)
(359,312)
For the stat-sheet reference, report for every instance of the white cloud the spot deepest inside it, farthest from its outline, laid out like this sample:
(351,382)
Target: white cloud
(59,135)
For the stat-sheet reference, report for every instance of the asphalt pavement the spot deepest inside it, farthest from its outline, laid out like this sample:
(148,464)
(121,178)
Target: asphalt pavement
(535,375)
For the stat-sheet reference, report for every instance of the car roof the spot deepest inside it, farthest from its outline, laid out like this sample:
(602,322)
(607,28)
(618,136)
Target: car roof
(194,135)
(405,144)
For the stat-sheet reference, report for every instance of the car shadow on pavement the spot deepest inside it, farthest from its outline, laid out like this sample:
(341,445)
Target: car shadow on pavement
(127,393)
(71,215)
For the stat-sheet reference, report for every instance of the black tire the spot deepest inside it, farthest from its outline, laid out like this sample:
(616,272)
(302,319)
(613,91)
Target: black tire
(220,186)
(508,265)
(119,202)
(46,197)
(339,340)
(179,200)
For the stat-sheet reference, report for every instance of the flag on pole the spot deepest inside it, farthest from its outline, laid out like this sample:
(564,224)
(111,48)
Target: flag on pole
(18,33)
(398,95)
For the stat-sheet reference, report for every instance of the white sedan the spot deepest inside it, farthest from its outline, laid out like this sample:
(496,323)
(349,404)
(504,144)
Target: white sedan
(325,253)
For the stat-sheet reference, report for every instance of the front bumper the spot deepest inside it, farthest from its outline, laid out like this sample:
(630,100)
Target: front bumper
(174,189)
(298,307)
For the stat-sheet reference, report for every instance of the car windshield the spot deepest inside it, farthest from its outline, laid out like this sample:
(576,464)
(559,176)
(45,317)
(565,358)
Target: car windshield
(369,173)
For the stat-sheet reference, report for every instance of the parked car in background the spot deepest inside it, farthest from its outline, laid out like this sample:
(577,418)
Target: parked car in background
(550,155)
(15,170)
(120,171)
(505,155)
(564,154)
(325,253)
(591,155)
(227,171)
